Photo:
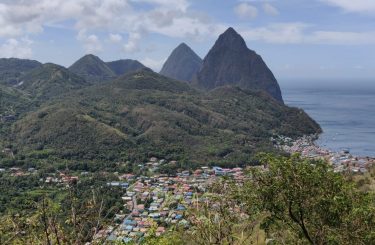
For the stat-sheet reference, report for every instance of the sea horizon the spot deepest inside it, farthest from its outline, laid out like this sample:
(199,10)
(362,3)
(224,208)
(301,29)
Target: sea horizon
(344,111)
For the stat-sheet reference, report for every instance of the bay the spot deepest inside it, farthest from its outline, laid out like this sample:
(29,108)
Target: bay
(345,113)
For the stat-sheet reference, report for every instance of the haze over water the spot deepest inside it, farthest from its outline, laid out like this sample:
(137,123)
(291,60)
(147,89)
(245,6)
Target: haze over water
(345,112)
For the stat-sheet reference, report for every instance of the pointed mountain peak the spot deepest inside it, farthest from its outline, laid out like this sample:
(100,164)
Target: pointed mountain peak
(90,57)
(230,38)
(92,68)
(183,46)
(182,64)
(230,62)
(230,31)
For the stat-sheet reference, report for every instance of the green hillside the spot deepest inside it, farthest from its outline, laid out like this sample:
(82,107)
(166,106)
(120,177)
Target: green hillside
(145,114)
(11,69)
(92,69)
(121,67)
(11,100)
(49,81)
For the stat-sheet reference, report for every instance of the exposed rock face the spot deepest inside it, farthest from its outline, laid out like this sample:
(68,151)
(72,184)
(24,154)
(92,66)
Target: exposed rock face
(92,69)
(231,62)
(121,67)
(182,64)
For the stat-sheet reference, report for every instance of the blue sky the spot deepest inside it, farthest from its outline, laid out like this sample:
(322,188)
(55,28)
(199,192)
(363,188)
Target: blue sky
(300,40)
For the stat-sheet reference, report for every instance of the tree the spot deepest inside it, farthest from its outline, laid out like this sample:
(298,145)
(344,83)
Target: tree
(304,201)
(220,219)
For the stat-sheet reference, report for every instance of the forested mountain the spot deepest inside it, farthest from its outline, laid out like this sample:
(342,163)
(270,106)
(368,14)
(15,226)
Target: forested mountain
(49,81)
(92,69)
(11,69)
(144,113)
(91,112)
(121,67)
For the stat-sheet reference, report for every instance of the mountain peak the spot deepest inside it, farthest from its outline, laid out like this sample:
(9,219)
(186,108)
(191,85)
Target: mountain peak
(121,67)
(183,46)
(230,38)
(230,31)
(230,62)
(90,56)
(92,68)
(182,64)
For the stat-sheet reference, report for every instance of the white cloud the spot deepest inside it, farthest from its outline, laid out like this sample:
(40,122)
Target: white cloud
(270,9)
(277,33)
(90,42)
(246,11)
(168,4)
(115,38)
(364,6)
(343,38)
(132,45)
(300,33)
(152,63)
(16,48)
(174,19)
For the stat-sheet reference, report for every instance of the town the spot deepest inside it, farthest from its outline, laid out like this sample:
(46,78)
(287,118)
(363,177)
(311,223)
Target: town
(342,161)
(155,203)
(160,202)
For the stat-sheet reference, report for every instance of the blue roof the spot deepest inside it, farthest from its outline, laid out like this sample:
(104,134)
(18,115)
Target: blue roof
(127,239)
(181,207)
(112,237)
(129,227)
(129,222)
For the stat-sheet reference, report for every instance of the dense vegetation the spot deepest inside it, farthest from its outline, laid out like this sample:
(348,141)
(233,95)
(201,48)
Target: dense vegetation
(121,67)
(92,69)
(290,201)
(50,81)
(35,212)
(12,69)
(144,114)
(12,100)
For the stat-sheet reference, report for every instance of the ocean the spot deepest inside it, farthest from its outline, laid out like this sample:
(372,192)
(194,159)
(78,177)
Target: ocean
(345,113)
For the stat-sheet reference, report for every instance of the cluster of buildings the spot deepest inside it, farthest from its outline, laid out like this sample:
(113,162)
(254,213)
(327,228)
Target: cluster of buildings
(157,203)
(341,161)
(18,172)
(61,178)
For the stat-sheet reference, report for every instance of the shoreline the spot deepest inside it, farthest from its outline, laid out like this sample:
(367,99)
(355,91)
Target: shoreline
(342,161)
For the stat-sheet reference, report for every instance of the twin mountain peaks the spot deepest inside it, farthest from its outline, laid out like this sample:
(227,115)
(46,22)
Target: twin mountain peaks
(224,108)
(229,62)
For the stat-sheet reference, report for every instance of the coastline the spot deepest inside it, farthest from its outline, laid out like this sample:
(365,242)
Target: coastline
(342,161)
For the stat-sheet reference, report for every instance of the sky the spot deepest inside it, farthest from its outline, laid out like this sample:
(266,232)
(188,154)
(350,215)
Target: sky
(300,40)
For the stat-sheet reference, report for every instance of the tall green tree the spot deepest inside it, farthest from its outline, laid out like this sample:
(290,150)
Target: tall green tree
(306,202)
